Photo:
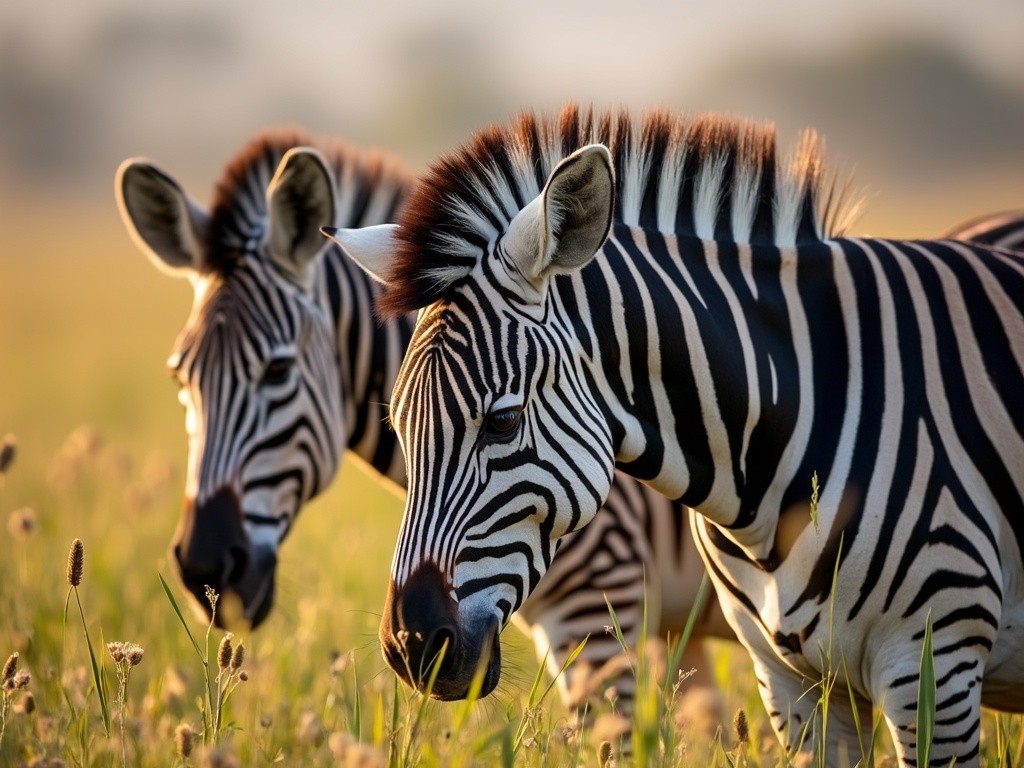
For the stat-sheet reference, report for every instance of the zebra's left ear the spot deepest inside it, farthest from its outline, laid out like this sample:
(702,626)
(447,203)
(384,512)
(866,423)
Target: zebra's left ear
(372,248)
(300,200)
(563,228)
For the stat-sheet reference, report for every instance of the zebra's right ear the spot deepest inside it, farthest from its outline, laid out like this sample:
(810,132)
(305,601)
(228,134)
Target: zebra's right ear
(372,248)
(163,221)
(564,227)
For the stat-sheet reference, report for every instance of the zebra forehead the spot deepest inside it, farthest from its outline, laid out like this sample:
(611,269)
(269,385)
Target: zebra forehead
(709,177)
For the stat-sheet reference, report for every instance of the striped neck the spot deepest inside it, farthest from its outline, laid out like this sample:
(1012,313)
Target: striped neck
(732,437)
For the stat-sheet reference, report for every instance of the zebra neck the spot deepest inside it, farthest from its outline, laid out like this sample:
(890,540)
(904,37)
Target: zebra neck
(691,345)
(369,355)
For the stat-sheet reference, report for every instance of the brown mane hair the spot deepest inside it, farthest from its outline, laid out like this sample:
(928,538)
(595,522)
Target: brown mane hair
(710,177)
(239,209)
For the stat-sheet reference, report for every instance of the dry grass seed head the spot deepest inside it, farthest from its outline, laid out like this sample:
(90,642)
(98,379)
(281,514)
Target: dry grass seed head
(76,562)
(133,652)
(8,452)
(27,704)
(739,724)
(184,740)
(237,656)
(224,652)
(10,666)
(116,651)
(22,523)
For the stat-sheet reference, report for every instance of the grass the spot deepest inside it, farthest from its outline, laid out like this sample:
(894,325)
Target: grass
(99,456)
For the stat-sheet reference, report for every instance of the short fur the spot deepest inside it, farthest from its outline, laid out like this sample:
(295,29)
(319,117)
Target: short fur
(708,177)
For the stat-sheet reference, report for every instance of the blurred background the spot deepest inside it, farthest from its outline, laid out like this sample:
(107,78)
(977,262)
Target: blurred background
(923,99)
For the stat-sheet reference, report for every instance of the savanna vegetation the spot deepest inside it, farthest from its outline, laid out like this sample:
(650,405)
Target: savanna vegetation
(108,665)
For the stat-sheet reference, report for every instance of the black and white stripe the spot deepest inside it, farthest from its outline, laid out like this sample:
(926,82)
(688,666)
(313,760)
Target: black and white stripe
(725,345)
(279,378)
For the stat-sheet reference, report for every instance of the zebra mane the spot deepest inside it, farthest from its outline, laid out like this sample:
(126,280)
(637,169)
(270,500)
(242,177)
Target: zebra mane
(711,177)
(238,215)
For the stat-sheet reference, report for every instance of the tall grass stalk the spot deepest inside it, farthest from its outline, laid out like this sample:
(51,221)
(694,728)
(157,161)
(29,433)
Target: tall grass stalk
(926,697)
(212,707)
(75,569)
(535,699)
(418,713)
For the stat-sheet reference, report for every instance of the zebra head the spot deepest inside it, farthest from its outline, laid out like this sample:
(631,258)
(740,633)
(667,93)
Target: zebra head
(506,448)
(255,362)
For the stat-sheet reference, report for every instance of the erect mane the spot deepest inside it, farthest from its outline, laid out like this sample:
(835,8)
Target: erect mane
(711,177)
(364,181)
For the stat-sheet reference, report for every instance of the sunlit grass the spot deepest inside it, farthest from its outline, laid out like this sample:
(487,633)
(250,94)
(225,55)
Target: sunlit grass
(99,454)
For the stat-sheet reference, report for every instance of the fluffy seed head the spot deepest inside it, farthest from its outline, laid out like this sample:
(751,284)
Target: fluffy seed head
(237,656)
(27,705)
(224,652)
(116,651)
(22,523)
(76,562)
(21,679)
(739,724)
(133,652)
(9,667)
(8,450)
(184,740)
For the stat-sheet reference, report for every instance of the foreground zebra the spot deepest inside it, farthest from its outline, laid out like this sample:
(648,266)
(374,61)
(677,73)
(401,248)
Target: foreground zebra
(282,366)
(725,347)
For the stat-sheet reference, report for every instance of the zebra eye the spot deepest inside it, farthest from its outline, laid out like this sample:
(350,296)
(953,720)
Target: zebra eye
(502,425)
(277,371)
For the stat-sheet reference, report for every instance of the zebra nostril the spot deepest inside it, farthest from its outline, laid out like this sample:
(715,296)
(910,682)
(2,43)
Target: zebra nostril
(441,641)
(236,564)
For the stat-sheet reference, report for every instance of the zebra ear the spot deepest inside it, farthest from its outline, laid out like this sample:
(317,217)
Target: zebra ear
(372,248)
(564,227)
(163,221)
(300,200)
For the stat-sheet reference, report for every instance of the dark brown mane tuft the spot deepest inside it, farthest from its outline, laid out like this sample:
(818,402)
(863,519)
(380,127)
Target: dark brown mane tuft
(238,212)
(709,177)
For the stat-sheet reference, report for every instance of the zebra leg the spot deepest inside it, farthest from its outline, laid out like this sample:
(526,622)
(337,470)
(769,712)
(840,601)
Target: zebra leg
(789,702)
(957,710)
(795,708)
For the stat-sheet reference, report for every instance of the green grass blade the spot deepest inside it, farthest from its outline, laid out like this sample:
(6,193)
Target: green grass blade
(691,621)
(926,697)
(181,618)
(357,707)
(97,670)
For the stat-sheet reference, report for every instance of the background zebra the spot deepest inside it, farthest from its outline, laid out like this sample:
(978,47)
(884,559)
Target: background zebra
(725,347)
(283,366)
(1002,230)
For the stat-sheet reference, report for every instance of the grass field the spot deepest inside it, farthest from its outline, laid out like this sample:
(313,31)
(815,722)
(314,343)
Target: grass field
(85,325)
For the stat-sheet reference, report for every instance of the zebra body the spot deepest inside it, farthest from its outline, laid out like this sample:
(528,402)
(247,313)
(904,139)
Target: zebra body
(281,372)
(723,346)
(1000,230)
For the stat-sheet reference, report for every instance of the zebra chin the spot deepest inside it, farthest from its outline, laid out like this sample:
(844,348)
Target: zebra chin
(429,648)
(211,550)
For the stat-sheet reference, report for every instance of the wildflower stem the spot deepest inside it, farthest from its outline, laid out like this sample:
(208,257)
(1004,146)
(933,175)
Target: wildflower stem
(97,675)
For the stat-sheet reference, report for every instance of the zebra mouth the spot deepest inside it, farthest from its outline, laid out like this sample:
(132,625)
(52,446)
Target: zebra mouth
(256,587)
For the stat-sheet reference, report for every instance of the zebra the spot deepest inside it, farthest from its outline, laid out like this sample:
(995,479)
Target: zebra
(1002,230)
(282,366)
(672,297)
